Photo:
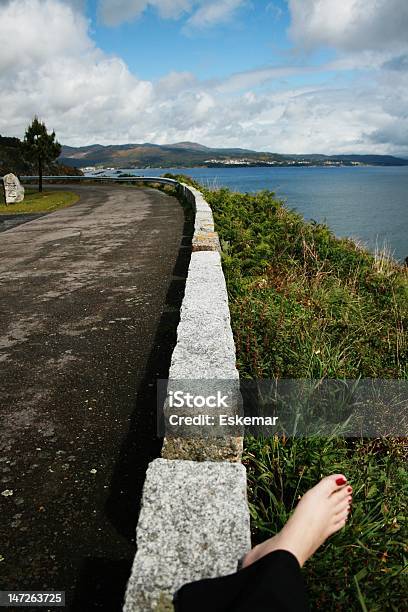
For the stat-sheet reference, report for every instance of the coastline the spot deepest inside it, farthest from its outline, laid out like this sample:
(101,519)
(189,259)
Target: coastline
(367,203)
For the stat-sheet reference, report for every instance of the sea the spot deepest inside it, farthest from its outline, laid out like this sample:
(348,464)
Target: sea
(366,203)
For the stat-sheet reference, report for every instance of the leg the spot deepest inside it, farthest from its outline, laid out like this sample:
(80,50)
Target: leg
(322,511)
(273,583)
(271,579)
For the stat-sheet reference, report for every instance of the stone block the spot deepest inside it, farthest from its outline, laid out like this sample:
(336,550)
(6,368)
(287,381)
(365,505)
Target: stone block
(206,241)
(205,345)
(193,524)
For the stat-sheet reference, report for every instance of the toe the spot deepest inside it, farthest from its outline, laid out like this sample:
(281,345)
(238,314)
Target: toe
(342,505)
(340,494)
(343,515)
(334,482)
(338,525)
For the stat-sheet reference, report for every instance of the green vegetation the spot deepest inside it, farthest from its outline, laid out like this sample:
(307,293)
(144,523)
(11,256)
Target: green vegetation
(41,147)
(14,158)
(307,305)
(362,567)
(35,202)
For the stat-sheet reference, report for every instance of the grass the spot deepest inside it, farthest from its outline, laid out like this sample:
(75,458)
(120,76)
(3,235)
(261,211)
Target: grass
(305,304)
(35,202)
(364,564)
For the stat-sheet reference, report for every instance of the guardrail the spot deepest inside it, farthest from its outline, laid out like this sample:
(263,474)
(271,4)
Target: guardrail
(120,179)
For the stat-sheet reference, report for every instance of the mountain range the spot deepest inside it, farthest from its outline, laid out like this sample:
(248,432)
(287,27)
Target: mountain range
(190,154)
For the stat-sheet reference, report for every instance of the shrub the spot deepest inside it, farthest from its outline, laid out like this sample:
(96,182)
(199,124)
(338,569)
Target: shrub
(305,304)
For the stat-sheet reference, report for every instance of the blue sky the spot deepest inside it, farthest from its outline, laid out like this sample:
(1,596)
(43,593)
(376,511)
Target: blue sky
(294,76)
(256,36)
(152,46)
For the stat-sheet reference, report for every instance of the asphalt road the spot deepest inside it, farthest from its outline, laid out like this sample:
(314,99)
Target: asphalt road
(9,221)
(89,305)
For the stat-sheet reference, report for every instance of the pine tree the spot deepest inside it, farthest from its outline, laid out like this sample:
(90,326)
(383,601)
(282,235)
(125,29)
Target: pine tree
(41,146)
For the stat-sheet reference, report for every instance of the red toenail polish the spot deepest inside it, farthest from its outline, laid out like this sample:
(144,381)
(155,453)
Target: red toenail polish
(349,489)
(340,481)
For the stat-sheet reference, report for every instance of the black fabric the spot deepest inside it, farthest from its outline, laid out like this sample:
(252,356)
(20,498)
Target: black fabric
(274,583)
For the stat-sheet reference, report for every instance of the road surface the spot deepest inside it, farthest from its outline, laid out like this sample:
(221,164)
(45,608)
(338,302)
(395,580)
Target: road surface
(89,303)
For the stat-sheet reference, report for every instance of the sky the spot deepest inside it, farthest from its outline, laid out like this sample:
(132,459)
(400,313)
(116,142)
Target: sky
(288,76)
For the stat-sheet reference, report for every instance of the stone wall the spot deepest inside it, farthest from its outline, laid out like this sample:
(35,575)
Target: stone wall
(194,519)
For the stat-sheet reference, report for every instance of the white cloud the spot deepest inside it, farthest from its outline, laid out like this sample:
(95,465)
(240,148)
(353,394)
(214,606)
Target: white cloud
(274,10)
(254,78)
(174,82)
(63,77)
(202,13)
(214,12)
(88,96)
(114,12)
(20,27)
(350,24)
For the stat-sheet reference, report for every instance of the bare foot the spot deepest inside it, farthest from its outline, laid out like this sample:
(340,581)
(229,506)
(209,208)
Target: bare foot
(322,511)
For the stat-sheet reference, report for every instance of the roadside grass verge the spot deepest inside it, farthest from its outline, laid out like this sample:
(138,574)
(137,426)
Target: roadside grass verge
(35,202)
(305,304)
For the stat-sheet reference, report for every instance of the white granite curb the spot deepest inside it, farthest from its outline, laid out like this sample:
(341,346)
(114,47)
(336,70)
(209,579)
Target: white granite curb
(205,238)
(194,524)
(194,519)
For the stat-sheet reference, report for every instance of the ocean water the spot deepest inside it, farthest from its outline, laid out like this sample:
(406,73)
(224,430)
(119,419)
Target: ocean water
(369,204)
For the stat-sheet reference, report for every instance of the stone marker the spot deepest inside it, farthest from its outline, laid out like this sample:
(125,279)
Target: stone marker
(13,189)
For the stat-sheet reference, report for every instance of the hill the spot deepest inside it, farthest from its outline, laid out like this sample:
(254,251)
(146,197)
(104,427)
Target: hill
(189,154)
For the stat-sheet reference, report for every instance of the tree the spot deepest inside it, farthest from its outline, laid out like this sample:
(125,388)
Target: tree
(41,146)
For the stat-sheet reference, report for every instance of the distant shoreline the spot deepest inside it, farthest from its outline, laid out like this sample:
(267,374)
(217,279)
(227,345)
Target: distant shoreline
(126,170)
(194,155)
